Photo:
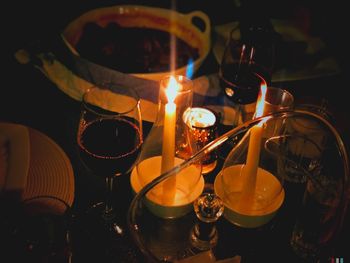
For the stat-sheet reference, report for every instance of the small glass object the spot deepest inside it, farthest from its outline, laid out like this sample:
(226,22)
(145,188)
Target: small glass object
(202,123)
(208,208)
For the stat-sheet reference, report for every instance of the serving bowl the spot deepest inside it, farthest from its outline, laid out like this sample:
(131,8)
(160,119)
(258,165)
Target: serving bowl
(192,28)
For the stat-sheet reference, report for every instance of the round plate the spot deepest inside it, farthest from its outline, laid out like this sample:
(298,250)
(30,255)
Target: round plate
(50,171)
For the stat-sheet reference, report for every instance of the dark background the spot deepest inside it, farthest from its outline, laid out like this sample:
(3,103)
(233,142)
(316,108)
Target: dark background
(27,97)
(25,22)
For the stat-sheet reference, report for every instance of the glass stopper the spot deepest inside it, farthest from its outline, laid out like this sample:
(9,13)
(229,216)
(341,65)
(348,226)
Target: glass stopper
(208,208)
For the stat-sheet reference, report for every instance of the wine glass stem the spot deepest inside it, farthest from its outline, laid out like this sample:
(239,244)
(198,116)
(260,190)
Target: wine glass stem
(108,212)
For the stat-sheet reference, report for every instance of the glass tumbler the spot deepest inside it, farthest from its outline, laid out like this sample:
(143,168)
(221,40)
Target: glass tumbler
(42,232)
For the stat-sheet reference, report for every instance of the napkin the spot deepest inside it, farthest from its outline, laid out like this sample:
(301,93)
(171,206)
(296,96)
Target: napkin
(59,64)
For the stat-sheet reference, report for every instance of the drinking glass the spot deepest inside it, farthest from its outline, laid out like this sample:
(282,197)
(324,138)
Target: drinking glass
(109,140)
(247,63)
(40,231)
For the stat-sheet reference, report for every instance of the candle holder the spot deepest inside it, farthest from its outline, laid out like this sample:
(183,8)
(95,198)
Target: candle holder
(249,182)
(251,196)
(202,124)
(166,146)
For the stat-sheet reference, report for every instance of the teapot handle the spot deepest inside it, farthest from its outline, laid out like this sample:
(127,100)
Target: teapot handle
(204,18)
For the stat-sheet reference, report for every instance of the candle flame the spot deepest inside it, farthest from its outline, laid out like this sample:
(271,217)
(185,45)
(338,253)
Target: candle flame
(199,117)
(259,111)
(189,69)
(172,89)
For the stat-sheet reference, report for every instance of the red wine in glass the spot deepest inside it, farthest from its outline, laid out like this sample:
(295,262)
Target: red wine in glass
(248,59)
(240,82)
(109,146)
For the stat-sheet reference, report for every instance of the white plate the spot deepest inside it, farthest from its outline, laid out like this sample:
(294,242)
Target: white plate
(325,66)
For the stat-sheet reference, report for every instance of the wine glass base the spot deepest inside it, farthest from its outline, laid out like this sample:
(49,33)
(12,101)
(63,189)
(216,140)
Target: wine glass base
(94,219)
(104,237)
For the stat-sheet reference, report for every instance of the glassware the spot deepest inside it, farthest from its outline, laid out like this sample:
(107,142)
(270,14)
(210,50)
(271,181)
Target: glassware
(208,208)
(249,183)
(277,99)
(41,231)
(142,225)
(109,140)
(166,146)
(314,157)
(310,140)
(203,128)
(247,63)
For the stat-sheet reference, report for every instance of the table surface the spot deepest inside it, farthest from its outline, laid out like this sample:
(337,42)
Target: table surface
(29,98)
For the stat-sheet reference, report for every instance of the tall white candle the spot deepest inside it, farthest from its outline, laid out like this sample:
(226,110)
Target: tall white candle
(168,150)
(168,146)
(250,169)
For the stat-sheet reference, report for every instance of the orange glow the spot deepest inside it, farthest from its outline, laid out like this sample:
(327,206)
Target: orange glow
(172,89)
(259,110)
(199,117)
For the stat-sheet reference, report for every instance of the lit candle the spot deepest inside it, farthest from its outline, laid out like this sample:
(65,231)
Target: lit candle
(199,118)
(168,146)
(251,167)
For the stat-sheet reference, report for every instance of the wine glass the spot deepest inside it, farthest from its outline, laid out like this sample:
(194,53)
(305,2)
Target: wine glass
(109,140)
(247,63)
